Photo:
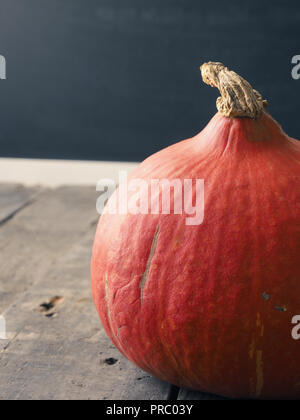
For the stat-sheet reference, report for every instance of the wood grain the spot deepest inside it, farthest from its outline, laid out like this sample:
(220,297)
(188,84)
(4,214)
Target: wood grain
(13,198)
(56,347)
(39,234)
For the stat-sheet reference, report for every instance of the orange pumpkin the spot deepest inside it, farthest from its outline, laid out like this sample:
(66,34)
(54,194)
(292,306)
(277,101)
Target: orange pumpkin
(209,306)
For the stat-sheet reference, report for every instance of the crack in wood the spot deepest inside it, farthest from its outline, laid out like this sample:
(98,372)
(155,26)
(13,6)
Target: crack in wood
(31,200)
(15,212)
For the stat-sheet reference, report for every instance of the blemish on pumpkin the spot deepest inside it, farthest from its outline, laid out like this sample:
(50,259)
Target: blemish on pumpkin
(280,308)
(258,321)
(176,244)
(259,373)
(106,288)
(266,296)
(251,349)
(152,251)
(106,298)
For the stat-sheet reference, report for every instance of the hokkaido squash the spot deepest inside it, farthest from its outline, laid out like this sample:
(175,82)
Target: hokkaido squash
(210,306)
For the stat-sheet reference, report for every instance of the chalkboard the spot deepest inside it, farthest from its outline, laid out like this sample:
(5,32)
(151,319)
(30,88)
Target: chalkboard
(119,80)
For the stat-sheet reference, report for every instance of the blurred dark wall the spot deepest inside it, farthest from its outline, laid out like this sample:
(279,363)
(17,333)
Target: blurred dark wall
(119,79)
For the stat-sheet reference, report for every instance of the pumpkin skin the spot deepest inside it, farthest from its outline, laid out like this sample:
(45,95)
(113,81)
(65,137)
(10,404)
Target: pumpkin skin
(215,310)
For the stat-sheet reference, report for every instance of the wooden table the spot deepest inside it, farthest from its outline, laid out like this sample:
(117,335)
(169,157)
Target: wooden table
(56,347)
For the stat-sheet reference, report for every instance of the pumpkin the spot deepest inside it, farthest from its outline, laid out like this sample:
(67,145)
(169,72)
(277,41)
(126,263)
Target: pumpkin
(209,306)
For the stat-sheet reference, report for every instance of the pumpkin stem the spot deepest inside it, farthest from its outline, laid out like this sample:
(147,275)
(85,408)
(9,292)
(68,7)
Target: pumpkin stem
(238,98)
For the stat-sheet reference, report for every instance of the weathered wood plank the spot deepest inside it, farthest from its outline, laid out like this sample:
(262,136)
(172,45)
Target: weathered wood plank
(13,198)
(186,394)
(140,385)
(39,234)
(62,352)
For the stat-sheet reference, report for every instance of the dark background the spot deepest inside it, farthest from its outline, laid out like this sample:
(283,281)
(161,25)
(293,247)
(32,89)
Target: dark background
(119,79)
